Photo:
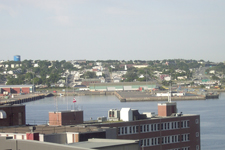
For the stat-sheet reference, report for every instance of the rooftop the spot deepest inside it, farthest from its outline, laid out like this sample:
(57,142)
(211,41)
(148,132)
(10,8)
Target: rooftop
(9,86)
(99,143)
(88,126)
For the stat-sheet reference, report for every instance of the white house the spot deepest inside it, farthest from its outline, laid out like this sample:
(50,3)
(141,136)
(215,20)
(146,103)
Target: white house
(182,77)
(212,71)
(141,76)
(167,78)
(36,65)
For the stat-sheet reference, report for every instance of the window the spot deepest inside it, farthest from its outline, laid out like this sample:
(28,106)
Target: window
(196,121)
(136,129)
(197,147)
(125,130)
(118,131)
(197,134)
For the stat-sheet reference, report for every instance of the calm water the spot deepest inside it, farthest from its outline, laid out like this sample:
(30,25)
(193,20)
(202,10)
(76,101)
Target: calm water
(211,113)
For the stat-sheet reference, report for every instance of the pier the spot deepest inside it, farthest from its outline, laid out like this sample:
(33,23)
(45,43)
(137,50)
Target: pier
(147,96)
(19,99)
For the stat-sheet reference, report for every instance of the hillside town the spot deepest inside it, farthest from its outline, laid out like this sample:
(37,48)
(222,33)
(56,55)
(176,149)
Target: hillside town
(80,74)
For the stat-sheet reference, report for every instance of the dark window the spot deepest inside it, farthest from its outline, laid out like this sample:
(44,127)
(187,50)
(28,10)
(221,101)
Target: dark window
(133,129)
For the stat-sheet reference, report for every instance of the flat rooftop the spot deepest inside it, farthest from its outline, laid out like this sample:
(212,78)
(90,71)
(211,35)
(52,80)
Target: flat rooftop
(45,129)
(87,126)
(100,143)
(9,86)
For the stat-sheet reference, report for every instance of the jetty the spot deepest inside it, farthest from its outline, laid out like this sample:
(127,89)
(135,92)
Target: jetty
(18,99)
(147,96)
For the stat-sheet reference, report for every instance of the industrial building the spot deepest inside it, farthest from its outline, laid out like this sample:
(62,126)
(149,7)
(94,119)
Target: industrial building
(128,86)
(16,89)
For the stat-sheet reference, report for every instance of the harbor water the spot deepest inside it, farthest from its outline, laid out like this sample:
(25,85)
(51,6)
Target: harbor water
(211,112)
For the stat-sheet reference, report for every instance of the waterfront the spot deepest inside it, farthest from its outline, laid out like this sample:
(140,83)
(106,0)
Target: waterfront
(211,113)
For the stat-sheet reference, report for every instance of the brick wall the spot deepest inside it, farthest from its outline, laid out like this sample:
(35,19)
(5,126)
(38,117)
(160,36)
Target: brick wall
(15,115)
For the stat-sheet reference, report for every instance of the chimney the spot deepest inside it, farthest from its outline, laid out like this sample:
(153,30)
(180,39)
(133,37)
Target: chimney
(166,109)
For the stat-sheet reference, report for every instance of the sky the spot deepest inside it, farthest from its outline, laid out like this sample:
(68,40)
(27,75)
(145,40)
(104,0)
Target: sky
(112,29)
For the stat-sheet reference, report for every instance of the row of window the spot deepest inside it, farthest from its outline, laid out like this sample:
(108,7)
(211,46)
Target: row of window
(165,140)
(153,127)
(127,130)
(183,148)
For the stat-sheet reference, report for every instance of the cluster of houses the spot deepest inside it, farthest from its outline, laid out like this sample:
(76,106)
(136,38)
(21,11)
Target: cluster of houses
(99,70)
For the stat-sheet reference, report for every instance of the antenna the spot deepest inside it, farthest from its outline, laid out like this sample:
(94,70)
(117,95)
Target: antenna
(169,92)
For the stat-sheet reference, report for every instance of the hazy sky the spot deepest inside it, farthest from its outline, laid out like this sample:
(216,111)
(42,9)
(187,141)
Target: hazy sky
(112,29)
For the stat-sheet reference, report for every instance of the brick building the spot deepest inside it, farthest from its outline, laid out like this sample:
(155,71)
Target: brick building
(66,118)
(16,89)
(12,115)
(168,130)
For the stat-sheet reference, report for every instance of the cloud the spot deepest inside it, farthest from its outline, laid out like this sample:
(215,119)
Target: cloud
(120,11)
(8,9)
(62,19)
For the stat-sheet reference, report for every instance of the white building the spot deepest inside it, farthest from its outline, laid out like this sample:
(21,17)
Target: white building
(167,78)
(182,77)
(212,71)
(36,65)
(98,73)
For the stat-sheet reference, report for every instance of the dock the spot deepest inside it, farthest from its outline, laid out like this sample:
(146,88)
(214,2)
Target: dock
(19,99)
(146,96)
